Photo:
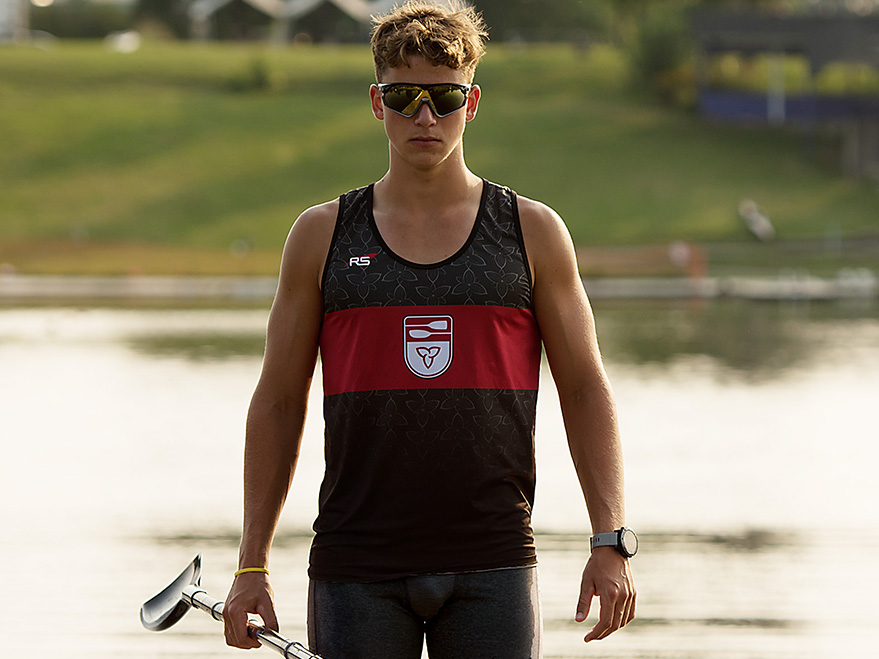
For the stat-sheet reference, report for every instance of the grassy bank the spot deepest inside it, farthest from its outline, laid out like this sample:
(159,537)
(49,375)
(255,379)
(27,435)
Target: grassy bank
(196,158)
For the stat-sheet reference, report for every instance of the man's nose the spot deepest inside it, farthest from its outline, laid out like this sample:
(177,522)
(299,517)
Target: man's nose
(424,115)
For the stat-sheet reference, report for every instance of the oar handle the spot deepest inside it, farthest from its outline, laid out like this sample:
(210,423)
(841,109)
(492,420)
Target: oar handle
(199,599)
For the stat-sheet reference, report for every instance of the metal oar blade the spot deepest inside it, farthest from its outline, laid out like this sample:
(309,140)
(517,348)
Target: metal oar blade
(165,609)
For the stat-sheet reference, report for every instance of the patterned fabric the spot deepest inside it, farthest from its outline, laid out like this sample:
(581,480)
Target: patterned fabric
(430,383)
(489,269)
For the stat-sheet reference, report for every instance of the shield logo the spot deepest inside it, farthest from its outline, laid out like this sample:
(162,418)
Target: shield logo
(427,344)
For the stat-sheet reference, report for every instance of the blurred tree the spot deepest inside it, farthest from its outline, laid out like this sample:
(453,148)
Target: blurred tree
(615,20)
(546,20)
(80,19)
(756,5)
(163,15)
(660,48)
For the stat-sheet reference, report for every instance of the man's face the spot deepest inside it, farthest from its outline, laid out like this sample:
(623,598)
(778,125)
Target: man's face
(424,140)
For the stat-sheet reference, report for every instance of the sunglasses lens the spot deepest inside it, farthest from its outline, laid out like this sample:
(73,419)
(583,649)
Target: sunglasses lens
(400,97)
(406,99)
(446,99)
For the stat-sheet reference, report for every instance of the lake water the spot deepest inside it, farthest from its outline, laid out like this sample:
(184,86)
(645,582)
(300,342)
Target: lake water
(751,450)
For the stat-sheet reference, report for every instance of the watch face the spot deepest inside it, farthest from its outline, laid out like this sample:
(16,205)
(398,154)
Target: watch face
(629,541)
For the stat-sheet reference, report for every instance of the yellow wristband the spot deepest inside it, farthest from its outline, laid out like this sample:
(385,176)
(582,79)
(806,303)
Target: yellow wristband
(245,570)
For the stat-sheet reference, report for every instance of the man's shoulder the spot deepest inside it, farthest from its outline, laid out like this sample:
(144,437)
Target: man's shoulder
(313,224)
(530,210)
(328,212)
(310,236)
(547,239)
(319,214)
(537,216)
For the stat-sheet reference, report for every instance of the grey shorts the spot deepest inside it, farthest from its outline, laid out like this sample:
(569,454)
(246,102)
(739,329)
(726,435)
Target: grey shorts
(475,615)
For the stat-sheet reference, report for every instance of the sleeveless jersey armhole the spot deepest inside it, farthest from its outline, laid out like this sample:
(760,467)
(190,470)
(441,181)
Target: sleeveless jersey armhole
(323,276)
(521,237)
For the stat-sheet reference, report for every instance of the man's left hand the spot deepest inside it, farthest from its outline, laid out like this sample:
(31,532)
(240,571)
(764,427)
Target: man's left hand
(608,577)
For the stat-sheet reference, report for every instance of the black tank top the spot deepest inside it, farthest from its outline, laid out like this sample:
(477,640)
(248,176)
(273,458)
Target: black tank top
(430,377)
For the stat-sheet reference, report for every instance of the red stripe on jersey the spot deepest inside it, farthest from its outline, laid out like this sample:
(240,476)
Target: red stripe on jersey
(439,347)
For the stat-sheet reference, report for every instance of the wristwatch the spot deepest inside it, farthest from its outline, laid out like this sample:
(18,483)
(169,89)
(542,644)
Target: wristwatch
(623,540)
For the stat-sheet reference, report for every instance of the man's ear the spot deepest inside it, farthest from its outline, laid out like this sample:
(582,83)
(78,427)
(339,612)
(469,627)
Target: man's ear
(473,102)
(378,108)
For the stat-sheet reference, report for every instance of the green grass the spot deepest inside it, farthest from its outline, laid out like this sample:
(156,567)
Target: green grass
(198,147)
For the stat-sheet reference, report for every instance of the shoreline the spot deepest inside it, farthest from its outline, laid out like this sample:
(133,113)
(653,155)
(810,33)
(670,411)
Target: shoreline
(789,285)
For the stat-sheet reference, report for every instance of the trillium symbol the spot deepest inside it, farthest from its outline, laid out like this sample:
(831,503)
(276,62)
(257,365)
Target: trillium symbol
(428,355)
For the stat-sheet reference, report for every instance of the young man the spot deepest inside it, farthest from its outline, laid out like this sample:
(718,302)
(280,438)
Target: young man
(428,295)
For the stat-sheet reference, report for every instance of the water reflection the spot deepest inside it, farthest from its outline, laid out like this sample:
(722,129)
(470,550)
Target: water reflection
(748,428)
(752,540)
(696,589)
(755,341)
(200,347)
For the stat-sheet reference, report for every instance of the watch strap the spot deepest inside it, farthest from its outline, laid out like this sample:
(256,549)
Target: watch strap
(611,539)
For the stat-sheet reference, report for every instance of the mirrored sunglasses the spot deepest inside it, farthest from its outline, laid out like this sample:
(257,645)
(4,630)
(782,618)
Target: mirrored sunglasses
(406,98)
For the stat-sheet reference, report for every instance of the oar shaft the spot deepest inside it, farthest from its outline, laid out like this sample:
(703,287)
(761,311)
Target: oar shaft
(199,599)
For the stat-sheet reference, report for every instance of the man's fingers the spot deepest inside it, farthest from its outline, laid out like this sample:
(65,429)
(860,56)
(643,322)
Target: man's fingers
(267,613)
(604,626)
(236,630)
(607,577)
(584,604)
(630,608)
(250,595)
(617,609)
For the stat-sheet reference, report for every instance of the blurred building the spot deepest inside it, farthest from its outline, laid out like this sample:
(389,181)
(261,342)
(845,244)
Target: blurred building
(822,39)
(281,20)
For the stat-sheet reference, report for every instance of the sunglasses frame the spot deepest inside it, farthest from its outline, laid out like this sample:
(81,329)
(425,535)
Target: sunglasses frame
(424,96)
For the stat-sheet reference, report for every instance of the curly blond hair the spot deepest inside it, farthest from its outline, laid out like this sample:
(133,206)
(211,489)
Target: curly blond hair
(453,35)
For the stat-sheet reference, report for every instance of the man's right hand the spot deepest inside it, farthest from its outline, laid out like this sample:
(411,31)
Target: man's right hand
(250,593)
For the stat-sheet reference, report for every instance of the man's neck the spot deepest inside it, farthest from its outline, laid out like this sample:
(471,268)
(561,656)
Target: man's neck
(409,189)
(426,218)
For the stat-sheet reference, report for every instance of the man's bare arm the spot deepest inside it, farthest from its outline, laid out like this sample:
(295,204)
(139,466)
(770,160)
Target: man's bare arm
(567,326)
(276,416)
